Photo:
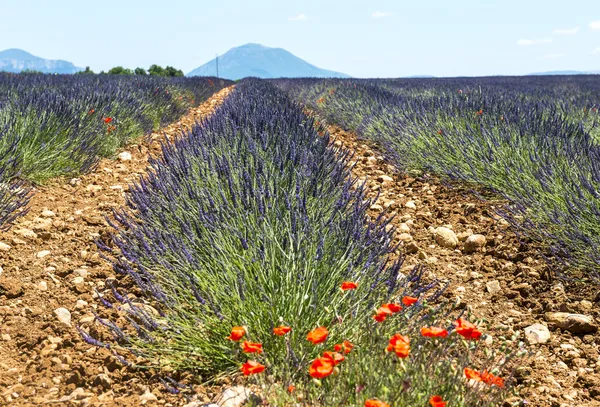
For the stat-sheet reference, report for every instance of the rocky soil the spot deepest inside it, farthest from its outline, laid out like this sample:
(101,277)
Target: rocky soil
(500,279)
(50,272)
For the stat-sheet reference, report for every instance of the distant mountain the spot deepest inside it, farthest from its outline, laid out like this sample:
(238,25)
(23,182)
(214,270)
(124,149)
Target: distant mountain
(549,73)
(420,77)
(16,60)
(263,62)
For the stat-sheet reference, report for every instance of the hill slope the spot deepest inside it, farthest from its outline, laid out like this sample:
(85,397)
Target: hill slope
(16,60)
(263,62)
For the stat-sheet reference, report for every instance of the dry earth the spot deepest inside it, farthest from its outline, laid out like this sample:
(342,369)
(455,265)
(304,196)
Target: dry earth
(51,269)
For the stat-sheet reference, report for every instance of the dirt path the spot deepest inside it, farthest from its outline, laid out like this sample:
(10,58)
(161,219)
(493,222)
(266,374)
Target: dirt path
(501,281)
(50,269)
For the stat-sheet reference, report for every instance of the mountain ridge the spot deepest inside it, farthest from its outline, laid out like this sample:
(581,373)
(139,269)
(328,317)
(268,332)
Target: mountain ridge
(264,62)
(17,60)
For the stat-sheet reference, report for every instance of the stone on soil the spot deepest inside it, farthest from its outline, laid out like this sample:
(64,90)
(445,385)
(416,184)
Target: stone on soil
(574,323)
(537,333)
(493,286)
(148,397)
(102,380)
(4,247)
(63,316)
(385,178)
(445,237)
(125,156)
(42,254)
(235,397)
(411,205)
(474,242)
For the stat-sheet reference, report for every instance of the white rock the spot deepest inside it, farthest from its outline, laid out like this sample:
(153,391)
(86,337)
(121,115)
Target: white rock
(385,178)
(78,280)
(42,254)
(537,333)
(48,214)
(93,188)
(26,233)
(4,247)
(445,237)
(493,286)
(405,237)
(235,397)
(125,156)
(43,286)
(63,316)
(410,205)
(147,397)
(404,228)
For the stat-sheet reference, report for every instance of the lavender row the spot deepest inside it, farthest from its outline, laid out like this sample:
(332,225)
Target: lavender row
(532,140)
(251,219)
(58,125)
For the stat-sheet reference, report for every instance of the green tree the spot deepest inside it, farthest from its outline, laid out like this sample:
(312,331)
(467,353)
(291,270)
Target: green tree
(140,71)
(156,70)
(170,71)
(119,70)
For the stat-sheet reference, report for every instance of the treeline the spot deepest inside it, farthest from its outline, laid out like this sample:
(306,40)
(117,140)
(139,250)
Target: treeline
(154,70)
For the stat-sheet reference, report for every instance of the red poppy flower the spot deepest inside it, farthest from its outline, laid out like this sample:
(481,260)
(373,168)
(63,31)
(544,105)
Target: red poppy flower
(345,347)
(91,111)
(334,356)
(379,317)
(400,345)
(321,367)
(108,120)
(394,307)
(480,112)
(440,132)
(385,311)
(251,347)
(434,332)
(467,330)
(349,285)
(408,301)
(252,367)
(291,388)
(472,374)
(437,401)
(237,333)
(281,330)
(375,403)
(318,335)
(492,380)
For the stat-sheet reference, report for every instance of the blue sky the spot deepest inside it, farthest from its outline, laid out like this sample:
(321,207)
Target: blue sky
(377,38)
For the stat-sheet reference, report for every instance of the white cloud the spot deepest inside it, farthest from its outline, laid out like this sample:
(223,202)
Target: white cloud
(566,31)
(381,14)
(595,25)
(596,51)
(554,56)
(534,42)
(299,17)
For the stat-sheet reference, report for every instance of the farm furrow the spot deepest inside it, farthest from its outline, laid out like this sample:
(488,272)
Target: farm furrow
(492,274)
(50,272)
